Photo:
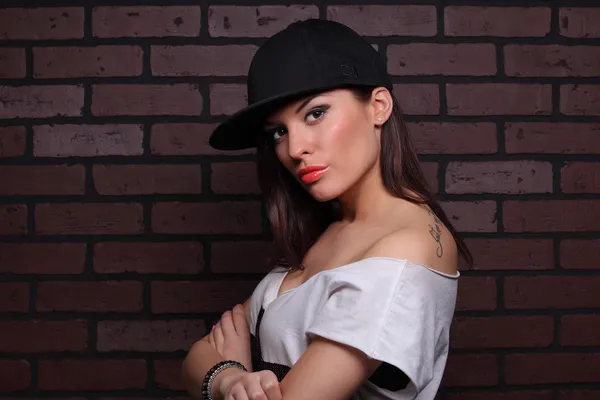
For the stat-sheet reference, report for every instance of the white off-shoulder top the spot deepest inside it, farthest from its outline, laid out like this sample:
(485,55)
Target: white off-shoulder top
(392,310)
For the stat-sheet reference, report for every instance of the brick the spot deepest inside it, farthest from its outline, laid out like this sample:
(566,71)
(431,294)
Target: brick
(551,292)
(146,21)
(42,336)
(580,253)
(453,138)
(207,218)
(185,139)
(234,178)
(40,101)
(496,21)
(552,216)
(13,219)
(42,258)
(477,293)
(501,177)
(504,395)
(580,99)
(430,172)
(42,180)
(553,138)
(498,99)
(41,23)
(511,254)
(256,257)
(502,332)
(87,140)
(174,99)
(442,59)
(551,61)
(530,369)
(123,296)
(227,98)
(231,60)
(14,297)
(380,20)
(16,375)
(167,374)
(88,219)
(261,21)
(418,98)
(199,297)
(12,141)
(580,330)
(579,394)
(92,374)
(149,336)
(580,177)
(579,22)
(471,370)
(12,62)
(472,216)
(148,258)
(97,61)
(147,179)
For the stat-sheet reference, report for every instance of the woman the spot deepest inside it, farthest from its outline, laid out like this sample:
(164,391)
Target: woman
(362,310)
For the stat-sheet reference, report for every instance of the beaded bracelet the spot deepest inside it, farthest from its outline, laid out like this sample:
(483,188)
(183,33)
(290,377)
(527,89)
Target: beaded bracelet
(212,373)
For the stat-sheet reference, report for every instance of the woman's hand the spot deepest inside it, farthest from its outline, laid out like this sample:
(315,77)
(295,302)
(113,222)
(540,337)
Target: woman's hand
(239,385)
(231,337)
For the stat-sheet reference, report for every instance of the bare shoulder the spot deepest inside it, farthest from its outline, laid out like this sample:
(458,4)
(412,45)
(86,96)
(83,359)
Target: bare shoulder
(424,241)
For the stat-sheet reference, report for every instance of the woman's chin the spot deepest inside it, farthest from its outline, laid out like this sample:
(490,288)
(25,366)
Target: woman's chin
(322,195)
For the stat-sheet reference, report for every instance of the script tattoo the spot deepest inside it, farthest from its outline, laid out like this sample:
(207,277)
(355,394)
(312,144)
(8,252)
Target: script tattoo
(436,232)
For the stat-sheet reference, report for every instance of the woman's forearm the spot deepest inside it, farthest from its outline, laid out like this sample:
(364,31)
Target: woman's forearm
(199,360)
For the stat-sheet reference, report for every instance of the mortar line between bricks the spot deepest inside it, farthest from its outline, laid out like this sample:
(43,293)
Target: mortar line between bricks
(440,14)
(204,20)
(87,23)
(554,21)
(28,64)
(88,269)
(557,334)
(501,139)
(556,177)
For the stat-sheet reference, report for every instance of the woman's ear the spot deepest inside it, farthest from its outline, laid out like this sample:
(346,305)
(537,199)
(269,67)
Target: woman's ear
(381,105)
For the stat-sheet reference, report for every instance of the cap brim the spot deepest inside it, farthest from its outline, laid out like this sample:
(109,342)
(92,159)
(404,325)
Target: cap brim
(240,130)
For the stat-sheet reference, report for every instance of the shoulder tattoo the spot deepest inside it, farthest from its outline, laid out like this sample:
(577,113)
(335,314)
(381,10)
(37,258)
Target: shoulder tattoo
(436,232)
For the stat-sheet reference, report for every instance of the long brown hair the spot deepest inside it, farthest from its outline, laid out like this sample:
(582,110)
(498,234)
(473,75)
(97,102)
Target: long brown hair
(297,219)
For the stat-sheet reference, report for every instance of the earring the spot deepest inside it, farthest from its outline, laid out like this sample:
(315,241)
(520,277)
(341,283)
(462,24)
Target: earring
(380,119)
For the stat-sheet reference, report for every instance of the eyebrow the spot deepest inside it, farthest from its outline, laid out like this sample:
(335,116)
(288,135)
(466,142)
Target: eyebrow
(304,103)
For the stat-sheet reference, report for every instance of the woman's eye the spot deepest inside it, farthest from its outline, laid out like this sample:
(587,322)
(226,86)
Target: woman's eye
(277,133)
(315,114)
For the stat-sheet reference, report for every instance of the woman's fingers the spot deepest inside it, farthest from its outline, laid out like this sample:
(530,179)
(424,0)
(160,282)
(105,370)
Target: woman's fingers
(239,320)
(227,325)
(254,390)
(219,338)
(270,385)
(211,337)
(239,393)
(272,390)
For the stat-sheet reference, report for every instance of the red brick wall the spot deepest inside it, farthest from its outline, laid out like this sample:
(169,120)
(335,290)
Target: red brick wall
(123,235)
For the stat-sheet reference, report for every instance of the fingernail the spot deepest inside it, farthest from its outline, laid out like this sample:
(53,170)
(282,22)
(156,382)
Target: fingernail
(213,328)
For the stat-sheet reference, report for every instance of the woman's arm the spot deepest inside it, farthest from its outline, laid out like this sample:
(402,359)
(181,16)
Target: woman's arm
(200,358)
(327,370)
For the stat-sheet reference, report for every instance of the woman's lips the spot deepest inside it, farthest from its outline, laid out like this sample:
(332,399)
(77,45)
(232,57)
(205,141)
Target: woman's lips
(312,174)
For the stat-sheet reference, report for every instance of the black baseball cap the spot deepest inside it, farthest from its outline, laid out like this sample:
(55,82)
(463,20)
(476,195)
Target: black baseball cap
(307,57)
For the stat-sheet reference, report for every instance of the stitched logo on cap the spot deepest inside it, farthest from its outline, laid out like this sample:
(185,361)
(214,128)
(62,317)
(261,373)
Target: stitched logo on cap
(349,70)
